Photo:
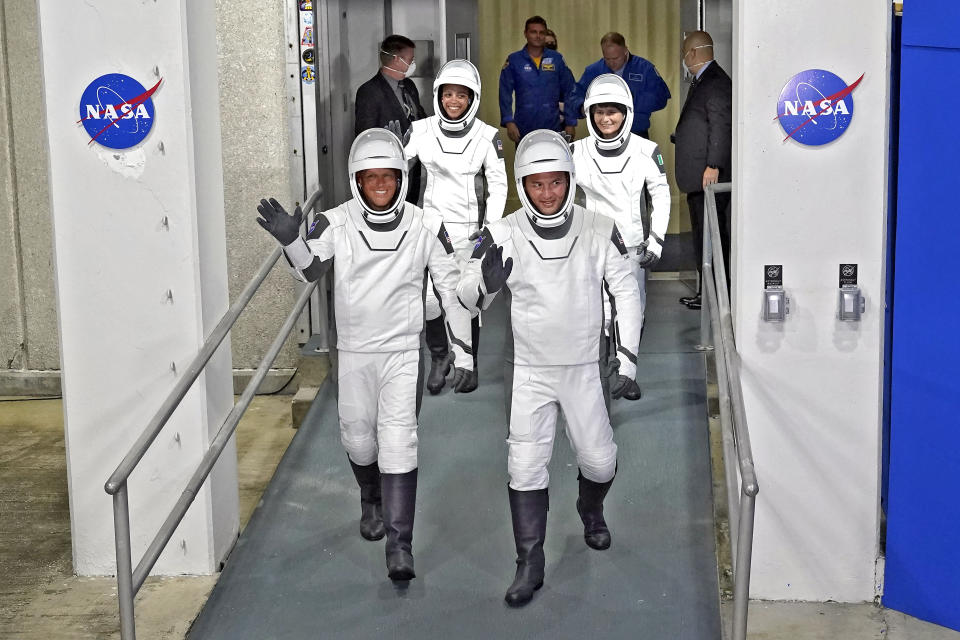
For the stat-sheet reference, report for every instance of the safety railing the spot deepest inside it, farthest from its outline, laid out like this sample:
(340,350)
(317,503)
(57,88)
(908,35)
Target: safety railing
(716,323)
(129,580)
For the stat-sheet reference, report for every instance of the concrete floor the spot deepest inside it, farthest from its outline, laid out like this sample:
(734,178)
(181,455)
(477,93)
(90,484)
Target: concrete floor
(40,598)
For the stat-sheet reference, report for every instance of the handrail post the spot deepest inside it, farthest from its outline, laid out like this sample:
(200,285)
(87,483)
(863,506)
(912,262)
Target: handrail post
(121,534)
(741,583)
(706,344)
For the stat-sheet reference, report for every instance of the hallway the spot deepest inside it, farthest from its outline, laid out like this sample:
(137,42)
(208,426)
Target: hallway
(300,568)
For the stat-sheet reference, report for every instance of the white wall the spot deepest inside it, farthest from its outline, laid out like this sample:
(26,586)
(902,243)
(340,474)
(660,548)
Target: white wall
(115,262)
(421,20)
(812,385)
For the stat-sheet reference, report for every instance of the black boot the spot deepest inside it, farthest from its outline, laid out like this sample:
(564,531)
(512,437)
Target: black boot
(436,338)
(590,508)
(529,511)
(399,492)
(371,511)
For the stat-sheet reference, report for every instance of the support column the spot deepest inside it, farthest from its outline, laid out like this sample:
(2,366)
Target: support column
(141,274)
(812,385)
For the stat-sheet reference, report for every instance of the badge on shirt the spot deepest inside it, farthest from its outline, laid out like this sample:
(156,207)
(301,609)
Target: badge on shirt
(547,60)
(658,158)
(618,241)
(498,145)
(547,67)
(635,77)
(444,238)
(527,67)
(506,63)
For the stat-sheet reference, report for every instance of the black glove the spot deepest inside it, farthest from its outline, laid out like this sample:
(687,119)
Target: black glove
(473,236)
(645,257)
(463,381)
(495,271)
(624,387)
(620,385)
(282,226)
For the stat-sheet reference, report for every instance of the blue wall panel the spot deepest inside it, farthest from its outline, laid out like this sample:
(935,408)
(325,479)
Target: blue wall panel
(923,520)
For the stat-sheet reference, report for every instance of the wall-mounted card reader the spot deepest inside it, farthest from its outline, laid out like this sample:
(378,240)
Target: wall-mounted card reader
(776,304)
(850,302)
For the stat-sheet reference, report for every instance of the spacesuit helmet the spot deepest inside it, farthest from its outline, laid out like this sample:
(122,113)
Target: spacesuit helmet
(460,72)
(544,151)
(609,89)
(378,149)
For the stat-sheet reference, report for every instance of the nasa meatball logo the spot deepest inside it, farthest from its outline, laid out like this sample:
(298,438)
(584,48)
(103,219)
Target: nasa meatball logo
(117,111)
(815,107)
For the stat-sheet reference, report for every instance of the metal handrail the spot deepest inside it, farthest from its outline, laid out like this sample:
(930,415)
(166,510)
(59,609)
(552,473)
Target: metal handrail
(716,316)
(130,580)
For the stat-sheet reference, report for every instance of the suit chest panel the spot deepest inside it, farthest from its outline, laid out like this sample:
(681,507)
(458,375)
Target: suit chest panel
(376,264)
(552,269)
(451,156)
(608,182)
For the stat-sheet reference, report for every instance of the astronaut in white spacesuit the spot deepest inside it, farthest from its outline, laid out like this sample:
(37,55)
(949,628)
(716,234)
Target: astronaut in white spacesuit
(617,169)
(380,247)
(559,258)
(466,185)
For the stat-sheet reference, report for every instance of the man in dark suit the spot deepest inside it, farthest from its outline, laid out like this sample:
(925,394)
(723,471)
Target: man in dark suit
(391,100)
(703,139)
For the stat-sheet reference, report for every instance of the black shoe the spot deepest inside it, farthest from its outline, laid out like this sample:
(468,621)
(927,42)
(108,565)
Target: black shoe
(399,503)
(529,512)
(689,299)
(590,507)
(439,368)
(694,304)
(371,514)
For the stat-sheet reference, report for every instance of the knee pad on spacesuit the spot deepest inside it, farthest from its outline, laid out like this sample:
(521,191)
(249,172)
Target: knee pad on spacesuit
(361,448)
(398,448)
(598,465)
(527,466)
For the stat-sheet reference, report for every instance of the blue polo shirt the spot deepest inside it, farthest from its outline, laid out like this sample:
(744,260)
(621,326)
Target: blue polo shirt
(538,91)
(650,92)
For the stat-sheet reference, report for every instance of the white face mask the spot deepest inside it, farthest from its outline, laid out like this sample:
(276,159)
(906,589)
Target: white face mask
(411,68)
(691,70)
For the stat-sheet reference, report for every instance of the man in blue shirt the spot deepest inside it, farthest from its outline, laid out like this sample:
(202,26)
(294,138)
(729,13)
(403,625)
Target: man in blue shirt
(650,92)
(541,80)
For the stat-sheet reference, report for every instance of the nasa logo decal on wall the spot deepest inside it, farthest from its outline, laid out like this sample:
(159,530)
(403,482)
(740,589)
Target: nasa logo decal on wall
(117,111)
(815,107)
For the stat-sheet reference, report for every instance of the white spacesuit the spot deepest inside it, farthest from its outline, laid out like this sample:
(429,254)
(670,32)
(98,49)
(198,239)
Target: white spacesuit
(466,183)
(616,172)
(559,258)
(380,254)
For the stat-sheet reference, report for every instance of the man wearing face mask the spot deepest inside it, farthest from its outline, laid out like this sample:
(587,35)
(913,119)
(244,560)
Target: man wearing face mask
(552,259)
(649,91)
(391,100)
(381,247)
(466,185)
(703,138)
(617,169)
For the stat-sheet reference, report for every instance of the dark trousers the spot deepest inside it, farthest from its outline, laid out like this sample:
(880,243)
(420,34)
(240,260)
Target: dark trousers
(695,202)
